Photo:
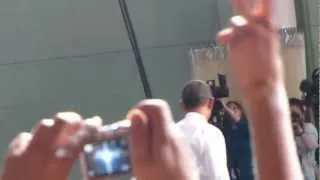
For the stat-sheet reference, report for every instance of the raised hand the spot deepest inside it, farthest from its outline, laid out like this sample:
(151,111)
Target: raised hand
(257,67)
(254,46)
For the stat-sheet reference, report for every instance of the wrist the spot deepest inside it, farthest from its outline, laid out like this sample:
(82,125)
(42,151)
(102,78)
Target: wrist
(268,107)
(261,92)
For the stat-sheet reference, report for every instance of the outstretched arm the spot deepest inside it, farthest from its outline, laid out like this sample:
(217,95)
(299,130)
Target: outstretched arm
(257,67)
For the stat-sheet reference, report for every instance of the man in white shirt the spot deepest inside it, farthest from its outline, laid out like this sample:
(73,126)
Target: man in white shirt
(206,141)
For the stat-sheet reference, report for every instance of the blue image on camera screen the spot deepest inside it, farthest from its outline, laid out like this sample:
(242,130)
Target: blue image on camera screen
(108,157)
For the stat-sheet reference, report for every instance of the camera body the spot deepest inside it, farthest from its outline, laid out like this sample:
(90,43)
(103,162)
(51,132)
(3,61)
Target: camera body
(221,91)
(108,153)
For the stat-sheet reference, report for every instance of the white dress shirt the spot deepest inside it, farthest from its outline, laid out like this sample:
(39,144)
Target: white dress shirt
(208,145)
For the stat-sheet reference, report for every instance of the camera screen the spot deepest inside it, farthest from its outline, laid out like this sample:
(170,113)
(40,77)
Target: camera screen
(108,157)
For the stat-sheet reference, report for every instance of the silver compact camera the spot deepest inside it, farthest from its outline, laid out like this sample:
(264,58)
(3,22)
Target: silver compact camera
(107,155)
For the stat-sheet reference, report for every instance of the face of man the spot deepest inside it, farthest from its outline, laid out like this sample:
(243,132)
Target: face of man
(297,120)
(208,107)
(296,109)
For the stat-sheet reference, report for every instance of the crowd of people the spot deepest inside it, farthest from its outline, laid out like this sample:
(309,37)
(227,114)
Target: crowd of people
(238,157)
(193,149)
(306,137)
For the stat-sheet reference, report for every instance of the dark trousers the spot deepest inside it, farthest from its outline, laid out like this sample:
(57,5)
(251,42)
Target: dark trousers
(242,166)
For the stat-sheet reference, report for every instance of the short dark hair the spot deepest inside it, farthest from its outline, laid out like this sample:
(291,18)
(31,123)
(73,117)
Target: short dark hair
(236,103)
(297,102)
(194,93)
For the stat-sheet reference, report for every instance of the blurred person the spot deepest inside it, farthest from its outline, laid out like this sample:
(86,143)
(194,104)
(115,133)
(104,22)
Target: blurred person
(206,141)
(297,105)
(306,137)
(239,149)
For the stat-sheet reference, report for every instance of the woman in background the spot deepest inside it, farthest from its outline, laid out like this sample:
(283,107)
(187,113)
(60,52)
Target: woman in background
(306,137)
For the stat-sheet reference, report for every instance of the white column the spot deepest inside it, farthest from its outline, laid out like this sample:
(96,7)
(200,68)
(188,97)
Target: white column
(293,50)
(284,14)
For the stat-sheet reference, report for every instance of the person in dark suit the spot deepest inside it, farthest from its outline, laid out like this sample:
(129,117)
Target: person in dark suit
(237,134)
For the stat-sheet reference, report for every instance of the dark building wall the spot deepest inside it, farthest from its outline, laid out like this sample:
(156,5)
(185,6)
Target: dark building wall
(74,55)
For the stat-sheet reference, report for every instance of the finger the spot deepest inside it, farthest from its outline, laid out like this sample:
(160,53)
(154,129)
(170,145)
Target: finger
(47,133)
(239,22)
(139,139)
(263,8)
(252,31)
(66,155)
(225,36)
(86,134)
(75,142)
(160,117)
(238,25)
(241,28)
(242,7)
(44,136)
(15,160)
(73,122)
(19,144)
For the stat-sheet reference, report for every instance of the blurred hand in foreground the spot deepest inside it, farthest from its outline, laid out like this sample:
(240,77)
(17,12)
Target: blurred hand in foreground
(254,46)
(40,155)
(157,152)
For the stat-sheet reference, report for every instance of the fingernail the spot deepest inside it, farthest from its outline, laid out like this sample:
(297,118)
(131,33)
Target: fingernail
(225,31)
(47,122)
(70,117)
(25,136)
(239,21)
(19,139)
(20,144)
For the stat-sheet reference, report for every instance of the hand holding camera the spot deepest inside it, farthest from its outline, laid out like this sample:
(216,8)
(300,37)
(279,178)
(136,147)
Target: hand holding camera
(147,143)
(40,154)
